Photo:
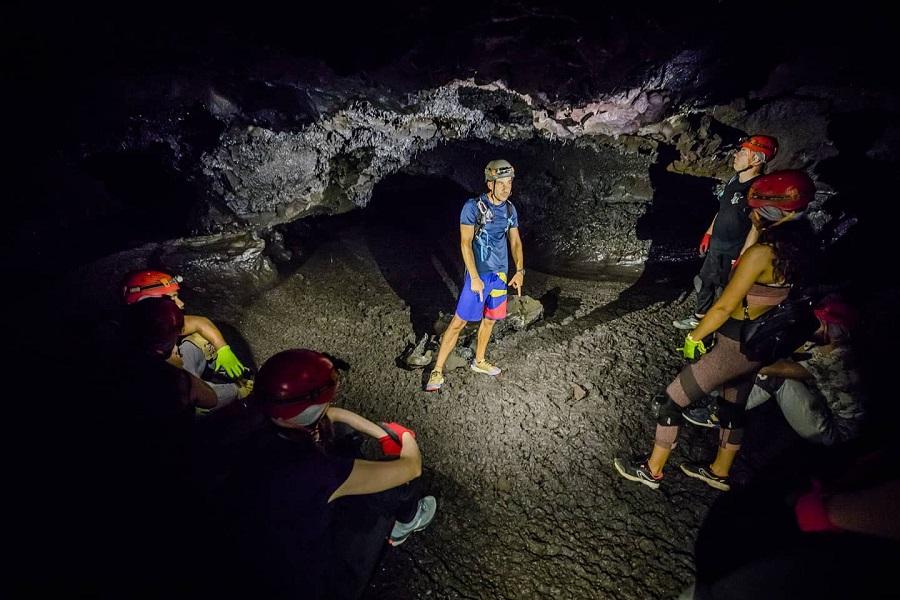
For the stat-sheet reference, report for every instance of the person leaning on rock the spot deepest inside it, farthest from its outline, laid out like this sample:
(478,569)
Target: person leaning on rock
(730,233)
(485,225)
(200,343)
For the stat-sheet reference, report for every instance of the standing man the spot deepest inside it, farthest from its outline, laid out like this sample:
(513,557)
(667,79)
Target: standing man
(730,232)
(485,224)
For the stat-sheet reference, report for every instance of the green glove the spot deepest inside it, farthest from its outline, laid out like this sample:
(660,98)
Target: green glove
(228,362)
(692,348)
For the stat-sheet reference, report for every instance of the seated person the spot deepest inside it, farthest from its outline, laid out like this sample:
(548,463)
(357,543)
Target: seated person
(820,395)
(201,343)
(282,521)
(151,332)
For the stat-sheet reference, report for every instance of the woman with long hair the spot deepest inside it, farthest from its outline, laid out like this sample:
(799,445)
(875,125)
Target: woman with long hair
(783,257)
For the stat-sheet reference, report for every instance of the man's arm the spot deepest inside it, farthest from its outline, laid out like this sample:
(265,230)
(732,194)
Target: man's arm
(370,477)
(205,327)
(515,244)
(871,511)
(710,228)
(466,237)
(226,361)
(787,369)
(202,394)
(357,422)
(752,237)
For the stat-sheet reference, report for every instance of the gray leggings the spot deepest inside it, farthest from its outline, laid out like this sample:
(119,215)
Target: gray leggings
(195,363)
(724,366)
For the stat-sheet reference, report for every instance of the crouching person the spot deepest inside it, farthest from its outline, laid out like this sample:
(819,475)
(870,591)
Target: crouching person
(290,521)
(200,344)
(820,393)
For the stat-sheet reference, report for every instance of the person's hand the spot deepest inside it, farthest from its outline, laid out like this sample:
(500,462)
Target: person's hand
(516,282)
(245,388)
(812,516)
(692,349)
(392,442)
(477,286)
(175,359)
(226,361)
(704,244)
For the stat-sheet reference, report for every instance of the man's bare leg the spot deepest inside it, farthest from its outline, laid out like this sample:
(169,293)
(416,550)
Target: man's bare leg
(484,336)
(448,341)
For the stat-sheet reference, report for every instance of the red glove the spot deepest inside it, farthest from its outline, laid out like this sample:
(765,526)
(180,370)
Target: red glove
(704,243)
(392,443)
(812,516)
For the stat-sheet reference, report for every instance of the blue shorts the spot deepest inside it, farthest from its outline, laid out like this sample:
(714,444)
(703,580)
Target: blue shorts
(493,304)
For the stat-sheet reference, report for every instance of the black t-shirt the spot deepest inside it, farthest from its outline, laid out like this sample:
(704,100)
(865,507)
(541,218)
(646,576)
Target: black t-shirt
(733,221)
(279,518)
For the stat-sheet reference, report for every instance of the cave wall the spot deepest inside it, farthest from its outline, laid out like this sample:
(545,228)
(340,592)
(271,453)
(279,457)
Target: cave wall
(254,127)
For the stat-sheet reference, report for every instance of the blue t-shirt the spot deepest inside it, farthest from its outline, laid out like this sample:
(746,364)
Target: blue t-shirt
(489,245)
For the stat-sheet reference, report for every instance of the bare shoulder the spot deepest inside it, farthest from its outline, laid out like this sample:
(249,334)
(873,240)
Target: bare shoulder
(758,252)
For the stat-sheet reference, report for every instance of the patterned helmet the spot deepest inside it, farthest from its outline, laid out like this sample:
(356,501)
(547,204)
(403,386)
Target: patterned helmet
(149,284)
(498,169)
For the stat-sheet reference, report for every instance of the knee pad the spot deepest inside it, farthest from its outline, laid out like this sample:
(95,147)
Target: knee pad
(731,415)
(667,412)
(730,437)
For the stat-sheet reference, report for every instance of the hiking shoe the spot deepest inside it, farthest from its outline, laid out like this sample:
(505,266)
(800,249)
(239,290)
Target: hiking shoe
(424,515)
(690,322)
(702,416)
(637,470)
(435,381)
(485,367)
(704,473)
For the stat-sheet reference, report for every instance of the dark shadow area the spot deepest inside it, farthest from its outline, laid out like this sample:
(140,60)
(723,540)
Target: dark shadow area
(292,244)
(558,307)
(681,209)
(858,229)
(860,240)
(148,200)
(411,227)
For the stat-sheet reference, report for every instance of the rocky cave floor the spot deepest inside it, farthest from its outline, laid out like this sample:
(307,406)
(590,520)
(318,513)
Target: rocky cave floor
(529,503)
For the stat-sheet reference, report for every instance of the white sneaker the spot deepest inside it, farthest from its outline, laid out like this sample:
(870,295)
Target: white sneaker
(485,367)
(424,515)
(690,322)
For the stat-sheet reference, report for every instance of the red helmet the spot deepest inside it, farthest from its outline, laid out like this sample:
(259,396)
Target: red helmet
(839,318)
(789,190)
(296,383)
(149,284)
(762,143)
(153,326)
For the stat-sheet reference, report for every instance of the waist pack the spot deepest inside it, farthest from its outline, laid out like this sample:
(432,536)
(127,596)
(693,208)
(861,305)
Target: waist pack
(776,334)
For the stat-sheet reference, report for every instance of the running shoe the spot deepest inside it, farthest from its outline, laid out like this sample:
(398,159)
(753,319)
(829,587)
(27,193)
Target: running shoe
(485,367)
(704,473)
(688,323)
(424,515)
(636,469)
(435,381)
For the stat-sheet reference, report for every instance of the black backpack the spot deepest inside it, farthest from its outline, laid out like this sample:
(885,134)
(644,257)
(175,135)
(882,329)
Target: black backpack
(778,333)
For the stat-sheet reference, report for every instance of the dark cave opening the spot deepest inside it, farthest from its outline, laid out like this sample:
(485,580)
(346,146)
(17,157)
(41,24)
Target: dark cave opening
(147,201)
(411,226)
